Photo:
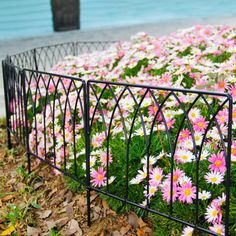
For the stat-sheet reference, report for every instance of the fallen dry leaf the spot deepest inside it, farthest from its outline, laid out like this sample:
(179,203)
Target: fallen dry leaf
(69,210)
(105,204)
(37,185)
(133,219)
(140,232)
(141,223)
(73,229)
(61,222)
(51,224)
(45,214)
(116,233)
(9,197)
(31,231)
(125,229)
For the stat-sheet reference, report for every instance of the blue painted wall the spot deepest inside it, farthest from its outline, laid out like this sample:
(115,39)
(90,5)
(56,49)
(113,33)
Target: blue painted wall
(24,18)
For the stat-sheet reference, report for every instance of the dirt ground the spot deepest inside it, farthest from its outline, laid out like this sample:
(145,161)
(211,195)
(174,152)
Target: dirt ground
(41,203)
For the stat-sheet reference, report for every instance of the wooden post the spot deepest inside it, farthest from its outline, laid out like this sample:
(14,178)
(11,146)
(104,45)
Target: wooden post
(66,14)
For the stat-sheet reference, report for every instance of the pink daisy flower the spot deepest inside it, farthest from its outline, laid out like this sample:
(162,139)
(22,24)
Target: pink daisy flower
(200,124)
(99,177)
(104,158)
(170,123)
(221,86)
(232,91)
(187,193)
(156,176)
(184,134)
(222,117)
(166,192)
(177,174)
(217,162)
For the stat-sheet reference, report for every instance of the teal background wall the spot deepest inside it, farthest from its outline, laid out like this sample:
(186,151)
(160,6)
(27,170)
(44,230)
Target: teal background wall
(19,18)
(24,18)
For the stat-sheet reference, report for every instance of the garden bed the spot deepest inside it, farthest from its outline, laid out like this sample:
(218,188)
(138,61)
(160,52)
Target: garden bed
(148,123)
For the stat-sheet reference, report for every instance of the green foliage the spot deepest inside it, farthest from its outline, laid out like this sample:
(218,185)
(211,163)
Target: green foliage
(186,52)
(224,56)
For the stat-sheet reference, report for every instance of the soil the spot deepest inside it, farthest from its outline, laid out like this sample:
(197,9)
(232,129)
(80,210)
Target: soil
(41,203)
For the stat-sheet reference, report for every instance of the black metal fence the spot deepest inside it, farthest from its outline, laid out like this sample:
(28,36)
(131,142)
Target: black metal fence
(57,118)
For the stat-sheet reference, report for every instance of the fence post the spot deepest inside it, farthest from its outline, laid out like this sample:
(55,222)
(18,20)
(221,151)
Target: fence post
(228,162)
(87,146)
(35,60)
(5,72)
(26,133)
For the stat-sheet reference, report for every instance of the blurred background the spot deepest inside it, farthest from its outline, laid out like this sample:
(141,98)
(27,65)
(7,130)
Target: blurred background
(27,18)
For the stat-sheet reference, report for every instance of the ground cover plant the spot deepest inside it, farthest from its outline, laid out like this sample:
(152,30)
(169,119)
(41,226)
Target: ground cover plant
(138,135)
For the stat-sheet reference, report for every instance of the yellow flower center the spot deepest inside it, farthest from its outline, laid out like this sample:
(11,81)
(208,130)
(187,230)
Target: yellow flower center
(201,124)
(99,177)
(234,113)
(187,192)
(213,179)
(218,163)
(184,157)
(152,190)
(158,177)
(175,178)
(214,213)
(219,231)
(221,84)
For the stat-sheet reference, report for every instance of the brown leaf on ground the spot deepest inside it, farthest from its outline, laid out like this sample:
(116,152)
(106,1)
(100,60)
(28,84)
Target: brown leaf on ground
(116,233)
(61,222)
(141,223)
(73,229)
(51,224)
(37,185)
(31,231)
(45,214)
(140,232)
(9,197)
(125,229)
(69,210)
(133,219)
(105,204)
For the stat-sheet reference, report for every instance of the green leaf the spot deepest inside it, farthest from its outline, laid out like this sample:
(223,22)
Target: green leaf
(35,204)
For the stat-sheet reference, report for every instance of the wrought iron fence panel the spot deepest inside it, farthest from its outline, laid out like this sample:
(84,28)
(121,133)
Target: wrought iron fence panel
(118,139)
(109,102)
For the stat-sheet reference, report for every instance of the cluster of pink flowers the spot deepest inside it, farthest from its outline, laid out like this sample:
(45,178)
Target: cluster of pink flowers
(201,57)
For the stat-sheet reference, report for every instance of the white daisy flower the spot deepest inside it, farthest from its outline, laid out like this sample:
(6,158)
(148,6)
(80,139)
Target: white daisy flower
(214,177)
(140,132)
(135,181)
(194,114)
(152,160)
(184,156)
(111,179)
(204,155)
(211,214)
(188,143)
(204,195)
(184,179)
(218,228)
(198,138)
(188,231)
